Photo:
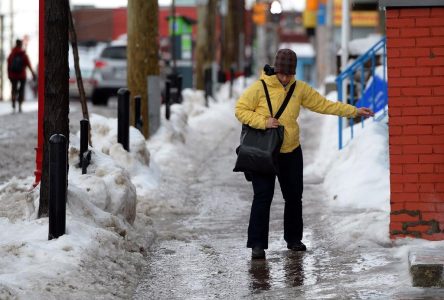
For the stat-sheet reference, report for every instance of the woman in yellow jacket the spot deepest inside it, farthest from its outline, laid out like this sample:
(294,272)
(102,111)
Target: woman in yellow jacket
(252,109)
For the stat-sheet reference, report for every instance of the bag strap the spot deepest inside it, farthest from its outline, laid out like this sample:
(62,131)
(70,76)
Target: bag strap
(286,100)
(270,108)
(284,104)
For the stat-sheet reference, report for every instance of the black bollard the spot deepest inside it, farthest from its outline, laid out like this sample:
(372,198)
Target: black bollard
(179,88)
(247,73)
(167,99)
(221,76)
(86,159)
(137,115)
(231,81)
(208,84)
(174,88)
(123,96)
(58,175)
(84,126)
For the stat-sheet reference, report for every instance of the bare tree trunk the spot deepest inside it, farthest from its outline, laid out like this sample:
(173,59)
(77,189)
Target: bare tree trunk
(228,46)
(56,86)
(201,45)
(142,52)
(233,29)
(241,30)
(211,31)
(205,44)
(75,50)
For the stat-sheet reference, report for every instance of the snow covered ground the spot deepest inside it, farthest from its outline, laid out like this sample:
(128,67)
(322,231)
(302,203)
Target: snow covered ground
(108,227)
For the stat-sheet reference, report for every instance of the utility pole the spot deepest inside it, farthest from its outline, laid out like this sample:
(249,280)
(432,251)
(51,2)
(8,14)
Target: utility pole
(223,10)
(320,43)
(142,53)
(331,56)
(173,35)
(201,43)
(241,29)
(273,29)
(260,11)
(325,48)
(231,38)
(345,39)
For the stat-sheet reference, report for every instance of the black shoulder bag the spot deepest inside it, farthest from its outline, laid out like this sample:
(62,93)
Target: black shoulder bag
(259,149)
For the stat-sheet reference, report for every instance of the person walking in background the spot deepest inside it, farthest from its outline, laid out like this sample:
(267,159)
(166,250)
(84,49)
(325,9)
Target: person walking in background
(18,61)
(252,109)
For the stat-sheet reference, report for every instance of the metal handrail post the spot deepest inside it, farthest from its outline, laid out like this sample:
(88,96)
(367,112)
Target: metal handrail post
(362,89)
(352,93)
(384,63)
(339,85)
(373,76)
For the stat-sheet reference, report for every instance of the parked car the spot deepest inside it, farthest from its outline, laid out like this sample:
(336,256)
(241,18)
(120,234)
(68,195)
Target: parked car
(109,72)
(88,83)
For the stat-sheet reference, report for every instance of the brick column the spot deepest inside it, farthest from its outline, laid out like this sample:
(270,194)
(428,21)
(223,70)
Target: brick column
(415,59)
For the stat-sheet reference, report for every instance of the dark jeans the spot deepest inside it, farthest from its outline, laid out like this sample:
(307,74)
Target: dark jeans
(18,90)
(290,179)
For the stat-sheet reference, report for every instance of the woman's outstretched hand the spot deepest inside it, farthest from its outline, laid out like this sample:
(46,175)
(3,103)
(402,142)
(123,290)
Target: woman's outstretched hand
(365,112)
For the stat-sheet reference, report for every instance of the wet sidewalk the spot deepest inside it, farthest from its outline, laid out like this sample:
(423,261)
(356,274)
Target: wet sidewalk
(202,254)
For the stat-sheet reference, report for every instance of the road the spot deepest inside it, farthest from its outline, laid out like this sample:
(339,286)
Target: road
(18,137)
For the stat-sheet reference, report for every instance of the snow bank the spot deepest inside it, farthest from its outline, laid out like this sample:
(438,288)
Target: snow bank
(361,45)
(101,208)
(358,175)
(355,179)
(108,208)
(29,261)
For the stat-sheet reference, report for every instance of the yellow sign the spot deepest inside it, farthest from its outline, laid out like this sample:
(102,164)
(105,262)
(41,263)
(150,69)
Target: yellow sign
(260,13)
(311,5)
(309,18)
(358,18)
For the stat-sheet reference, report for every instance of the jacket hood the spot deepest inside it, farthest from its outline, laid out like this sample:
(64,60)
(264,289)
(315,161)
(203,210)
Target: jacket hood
(16,50)
(273,81)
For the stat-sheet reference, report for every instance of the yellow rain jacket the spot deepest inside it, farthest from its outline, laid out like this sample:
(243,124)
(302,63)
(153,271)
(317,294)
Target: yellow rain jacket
(252,108)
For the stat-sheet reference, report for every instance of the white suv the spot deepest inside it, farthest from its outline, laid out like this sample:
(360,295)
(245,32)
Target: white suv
(109,72)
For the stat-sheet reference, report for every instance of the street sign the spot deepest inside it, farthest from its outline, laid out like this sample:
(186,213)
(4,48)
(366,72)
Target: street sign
(260,13)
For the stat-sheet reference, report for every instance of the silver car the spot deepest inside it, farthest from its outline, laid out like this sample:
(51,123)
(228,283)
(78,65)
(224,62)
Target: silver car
(88,83)
(109,72)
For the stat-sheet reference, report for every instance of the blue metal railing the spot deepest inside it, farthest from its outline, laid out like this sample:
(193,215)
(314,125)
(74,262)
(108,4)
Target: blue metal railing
(374,95)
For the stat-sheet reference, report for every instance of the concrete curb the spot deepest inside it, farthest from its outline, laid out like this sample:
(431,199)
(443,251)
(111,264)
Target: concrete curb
(427,267)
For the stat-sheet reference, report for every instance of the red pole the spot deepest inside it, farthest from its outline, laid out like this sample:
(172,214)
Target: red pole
(41,94)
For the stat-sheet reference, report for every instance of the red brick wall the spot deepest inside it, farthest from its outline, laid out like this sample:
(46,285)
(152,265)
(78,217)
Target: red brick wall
(93,24)
(119,22)
(415,59)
